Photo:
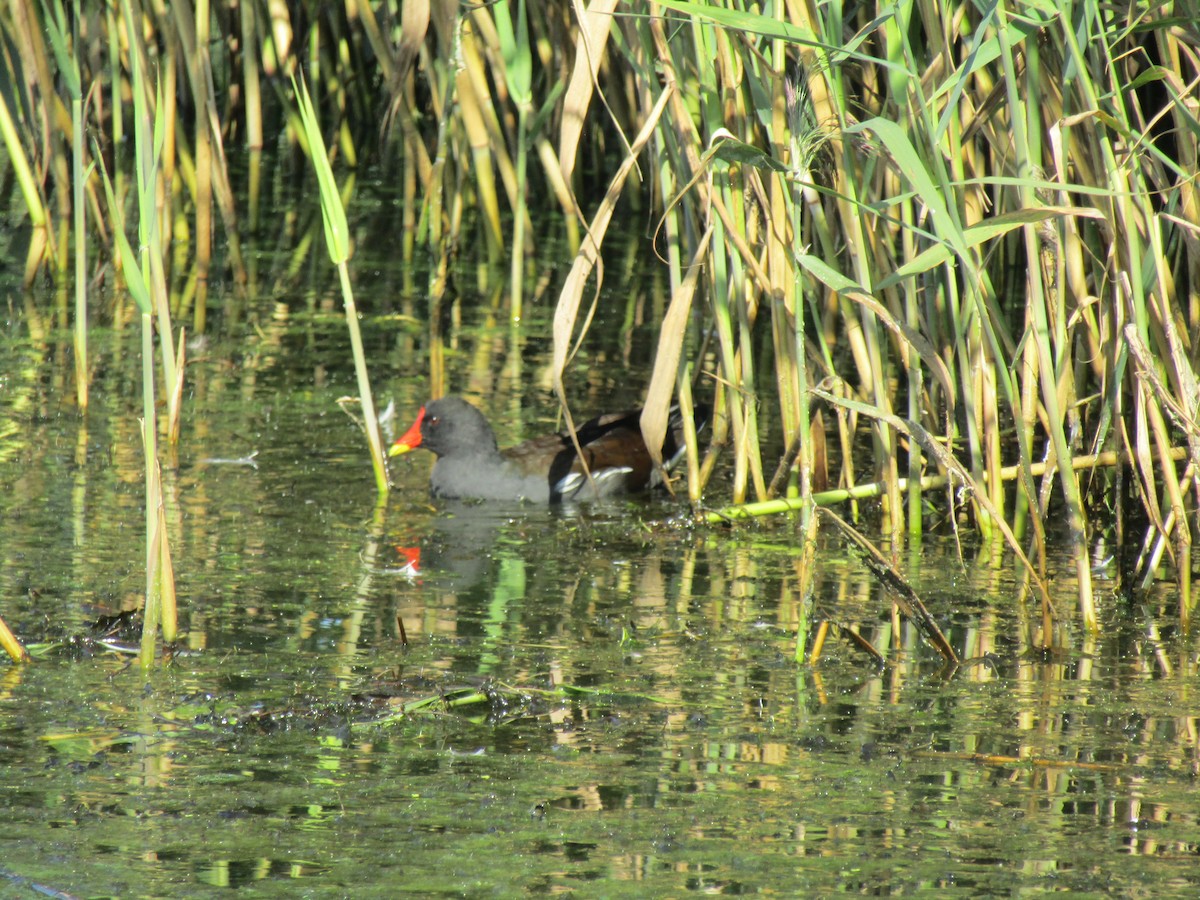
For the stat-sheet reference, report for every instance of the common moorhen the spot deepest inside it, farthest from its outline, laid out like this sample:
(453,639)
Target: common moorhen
(543,470)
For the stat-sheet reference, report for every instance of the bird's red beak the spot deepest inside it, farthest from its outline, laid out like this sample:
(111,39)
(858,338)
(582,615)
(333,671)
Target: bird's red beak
(411,439)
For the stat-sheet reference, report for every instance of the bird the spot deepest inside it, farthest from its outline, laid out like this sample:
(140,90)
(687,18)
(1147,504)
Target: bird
(544,470)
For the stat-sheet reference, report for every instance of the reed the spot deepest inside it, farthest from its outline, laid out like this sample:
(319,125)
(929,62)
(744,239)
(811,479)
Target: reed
(932,184)
(146,290)
(975,225)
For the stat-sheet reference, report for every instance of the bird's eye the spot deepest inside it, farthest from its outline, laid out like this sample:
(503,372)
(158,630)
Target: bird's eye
(432,420)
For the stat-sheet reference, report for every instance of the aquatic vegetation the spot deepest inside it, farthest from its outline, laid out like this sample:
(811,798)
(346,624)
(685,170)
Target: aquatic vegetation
(961,239)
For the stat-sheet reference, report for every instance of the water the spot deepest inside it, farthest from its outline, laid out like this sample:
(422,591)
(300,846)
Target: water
(640,728)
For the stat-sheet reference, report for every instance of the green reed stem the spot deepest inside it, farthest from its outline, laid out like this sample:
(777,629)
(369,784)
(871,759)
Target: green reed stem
(337,240)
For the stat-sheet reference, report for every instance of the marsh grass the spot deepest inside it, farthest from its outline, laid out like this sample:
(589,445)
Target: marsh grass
(965,237)
(142,271)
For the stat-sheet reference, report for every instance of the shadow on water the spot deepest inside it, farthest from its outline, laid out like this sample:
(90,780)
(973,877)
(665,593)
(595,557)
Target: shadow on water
(601,701)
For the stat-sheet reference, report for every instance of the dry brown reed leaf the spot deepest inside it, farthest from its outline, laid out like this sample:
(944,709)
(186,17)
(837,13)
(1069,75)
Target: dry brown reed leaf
(657,409)
(414,25)
(567,311)
(595,23)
